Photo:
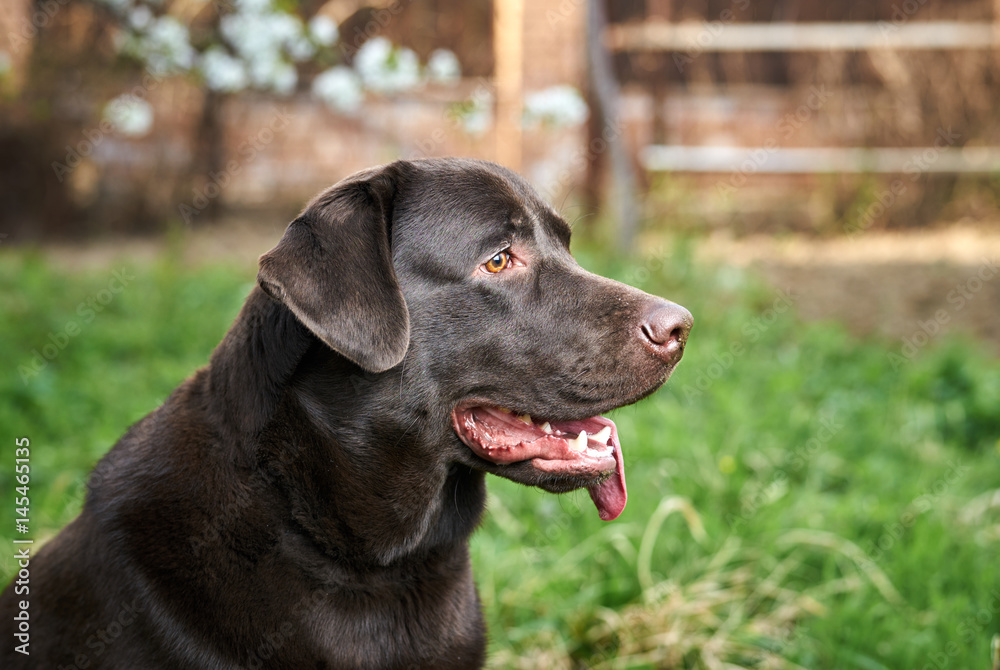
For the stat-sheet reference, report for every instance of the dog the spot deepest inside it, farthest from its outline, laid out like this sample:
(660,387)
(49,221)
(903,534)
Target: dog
(306,500)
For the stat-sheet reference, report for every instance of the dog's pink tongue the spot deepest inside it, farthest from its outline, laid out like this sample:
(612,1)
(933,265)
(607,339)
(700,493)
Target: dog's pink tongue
(610,495)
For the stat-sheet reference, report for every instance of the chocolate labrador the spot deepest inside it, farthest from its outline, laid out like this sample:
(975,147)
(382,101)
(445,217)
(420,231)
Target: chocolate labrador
(306,500)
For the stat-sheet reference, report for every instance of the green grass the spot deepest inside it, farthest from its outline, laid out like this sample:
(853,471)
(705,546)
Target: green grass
(763,479)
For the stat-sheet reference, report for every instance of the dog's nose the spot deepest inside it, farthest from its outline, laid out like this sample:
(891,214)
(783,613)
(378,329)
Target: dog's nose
(665,330)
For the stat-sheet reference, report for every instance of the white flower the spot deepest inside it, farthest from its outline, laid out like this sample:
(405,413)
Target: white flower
(245,33)
(232,26)
(476,113)
(385,69)
(284,79)
(251,35)
(269,71)
(406,70)
(131,116)
(477,121)
(119,6)
(253,6)
(262,68)
(284,28)
(372,57)
(558,106)
(223,72)
(340,88)
(323,30)
(166,46)
(443,66)
(301,49)
(140,18)
(260,35)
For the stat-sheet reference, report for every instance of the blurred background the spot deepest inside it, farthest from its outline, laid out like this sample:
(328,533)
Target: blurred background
(816,487)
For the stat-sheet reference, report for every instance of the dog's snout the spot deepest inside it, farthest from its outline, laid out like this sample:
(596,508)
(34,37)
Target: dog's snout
(665,330)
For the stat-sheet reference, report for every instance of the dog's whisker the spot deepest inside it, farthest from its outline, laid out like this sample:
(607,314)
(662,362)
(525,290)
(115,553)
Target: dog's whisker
(407,430)
(402,369)
(454,497)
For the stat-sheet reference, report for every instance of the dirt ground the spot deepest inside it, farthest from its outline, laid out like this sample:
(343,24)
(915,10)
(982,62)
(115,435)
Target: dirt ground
(893,284)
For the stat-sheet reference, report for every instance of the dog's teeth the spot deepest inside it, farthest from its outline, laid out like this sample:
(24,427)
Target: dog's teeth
(602,435)
(580,443)
(546,428)
(504,410)
(526,418)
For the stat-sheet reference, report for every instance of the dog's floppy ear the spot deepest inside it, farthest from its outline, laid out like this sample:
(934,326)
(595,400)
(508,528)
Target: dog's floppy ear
(333,270)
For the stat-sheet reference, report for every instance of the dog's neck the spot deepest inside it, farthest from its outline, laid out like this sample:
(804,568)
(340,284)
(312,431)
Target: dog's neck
(411,499)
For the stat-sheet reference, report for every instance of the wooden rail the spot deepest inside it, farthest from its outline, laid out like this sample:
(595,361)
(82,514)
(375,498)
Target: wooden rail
(817,160)
(757,37)
(726,36)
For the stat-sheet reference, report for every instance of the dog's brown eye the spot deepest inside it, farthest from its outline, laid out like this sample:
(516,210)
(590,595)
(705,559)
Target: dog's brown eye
(497,263)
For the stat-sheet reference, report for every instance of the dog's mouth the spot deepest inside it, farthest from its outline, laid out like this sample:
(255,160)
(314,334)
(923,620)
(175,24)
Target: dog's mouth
(585,451)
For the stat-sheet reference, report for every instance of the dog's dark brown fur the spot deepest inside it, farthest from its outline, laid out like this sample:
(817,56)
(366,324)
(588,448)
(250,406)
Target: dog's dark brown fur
(304,501)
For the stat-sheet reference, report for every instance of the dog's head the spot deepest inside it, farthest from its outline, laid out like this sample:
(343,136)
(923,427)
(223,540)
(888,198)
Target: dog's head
(457,272)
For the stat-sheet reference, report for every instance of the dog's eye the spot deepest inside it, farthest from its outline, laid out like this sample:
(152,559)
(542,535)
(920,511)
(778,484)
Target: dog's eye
(497,263)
